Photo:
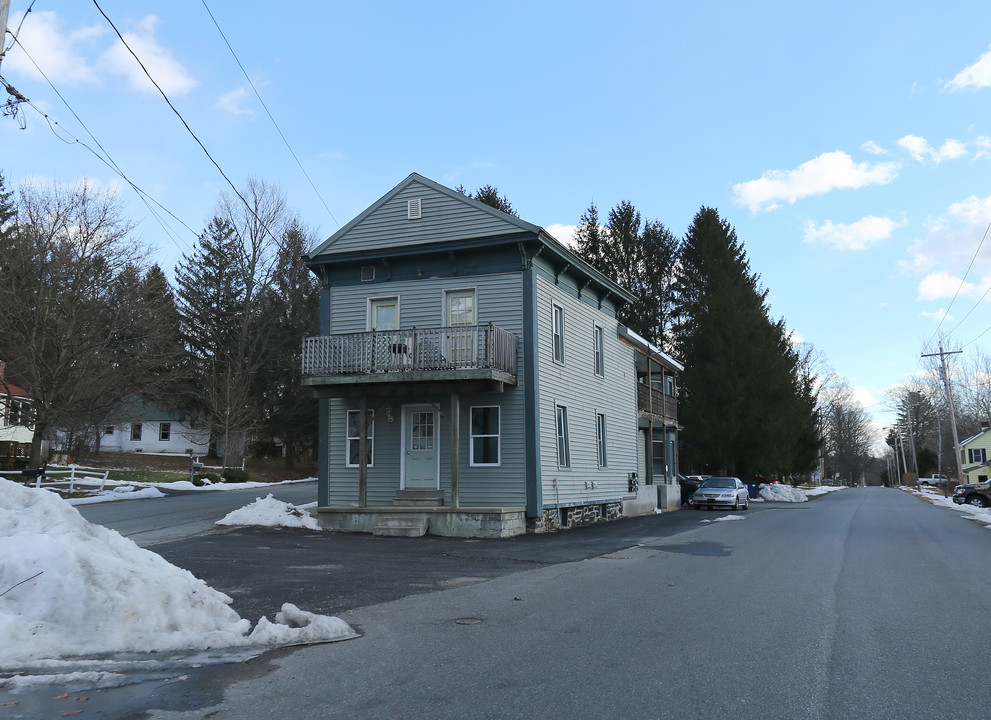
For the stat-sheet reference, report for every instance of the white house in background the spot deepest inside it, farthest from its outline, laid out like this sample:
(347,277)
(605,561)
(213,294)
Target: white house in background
(144,427)
(16,423)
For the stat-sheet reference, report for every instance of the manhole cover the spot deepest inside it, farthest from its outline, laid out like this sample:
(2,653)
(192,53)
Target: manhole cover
(467,621)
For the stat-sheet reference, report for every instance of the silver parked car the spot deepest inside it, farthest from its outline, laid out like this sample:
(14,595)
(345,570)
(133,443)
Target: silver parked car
(727,492)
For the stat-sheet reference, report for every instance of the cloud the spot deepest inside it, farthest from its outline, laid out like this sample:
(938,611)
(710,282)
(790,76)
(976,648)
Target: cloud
(232,102)
(830,171)
(60,55)
(939,285)
(938,316)
(873,148)
(983,144)
(920,149)
(951,240)
(168,72)
(564,234)
(864,396)
(975,76)
(860,235)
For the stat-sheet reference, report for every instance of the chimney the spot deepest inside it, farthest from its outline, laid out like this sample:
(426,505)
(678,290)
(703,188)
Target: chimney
(985,425)
(3,369)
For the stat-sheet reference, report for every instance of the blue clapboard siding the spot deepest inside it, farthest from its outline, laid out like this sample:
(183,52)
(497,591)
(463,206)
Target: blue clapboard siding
(444,218)
(576,386)
(421,304)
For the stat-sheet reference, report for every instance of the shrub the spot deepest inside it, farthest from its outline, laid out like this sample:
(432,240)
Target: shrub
(235,475)
(207,479)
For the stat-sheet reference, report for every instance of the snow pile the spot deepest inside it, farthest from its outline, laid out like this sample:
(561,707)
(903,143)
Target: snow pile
(726,517)
(823,490)
(121,492)
(71,588)
(971,512)
(269,512)
(782,493)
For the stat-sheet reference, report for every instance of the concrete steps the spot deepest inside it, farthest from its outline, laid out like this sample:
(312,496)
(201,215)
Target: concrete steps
(419,498)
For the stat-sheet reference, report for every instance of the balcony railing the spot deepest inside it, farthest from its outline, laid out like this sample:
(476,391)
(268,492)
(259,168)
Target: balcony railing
(652,401)
(462,347)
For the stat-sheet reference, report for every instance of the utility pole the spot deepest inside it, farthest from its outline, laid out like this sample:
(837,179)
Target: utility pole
(4,9)
(949,401)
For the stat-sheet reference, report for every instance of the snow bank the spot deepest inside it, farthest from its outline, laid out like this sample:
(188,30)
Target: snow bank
(823,490)
(70,588)
(269,512)
(121,492)
(726,517)
(782,493)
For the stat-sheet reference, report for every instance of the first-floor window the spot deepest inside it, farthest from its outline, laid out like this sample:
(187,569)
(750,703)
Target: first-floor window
(563,449)
(600,438)
(354,438)
(108,430)
(135,431)
(485,435)
(164,431)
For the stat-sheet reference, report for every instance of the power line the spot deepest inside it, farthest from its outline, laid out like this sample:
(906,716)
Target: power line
(184,123)
(960,287)
(267,112)
(106,158)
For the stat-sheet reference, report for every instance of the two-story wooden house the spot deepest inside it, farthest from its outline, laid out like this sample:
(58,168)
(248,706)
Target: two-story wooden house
(976,461)
(472,375)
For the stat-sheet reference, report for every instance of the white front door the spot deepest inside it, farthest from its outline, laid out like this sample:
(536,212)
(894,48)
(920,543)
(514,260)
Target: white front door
(421,469)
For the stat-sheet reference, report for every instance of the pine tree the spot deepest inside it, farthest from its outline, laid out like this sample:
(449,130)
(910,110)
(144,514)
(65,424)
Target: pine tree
(489,195)
(743,405)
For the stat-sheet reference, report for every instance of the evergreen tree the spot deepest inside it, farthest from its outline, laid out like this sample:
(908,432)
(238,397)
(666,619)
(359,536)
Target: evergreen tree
(742,403)
(489,194)
(640,257)
(293,305)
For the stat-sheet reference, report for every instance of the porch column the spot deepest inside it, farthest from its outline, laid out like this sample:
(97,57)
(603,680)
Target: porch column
(455,449)
(363,452)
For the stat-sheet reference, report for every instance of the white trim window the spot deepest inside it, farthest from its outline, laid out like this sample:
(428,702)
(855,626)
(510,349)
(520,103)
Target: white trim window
(563,443)
(600,438)
(599,350)
(485,435)
(164,431)
(135,431)
(977,455)
(354,439)
(557,332)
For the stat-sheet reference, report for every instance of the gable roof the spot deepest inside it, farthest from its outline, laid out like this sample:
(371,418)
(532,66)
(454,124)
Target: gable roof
(972,438)
(446,216)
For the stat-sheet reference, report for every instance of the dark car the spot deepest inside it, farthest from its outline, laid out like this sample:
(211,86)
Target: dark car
(727,492)
(978,495)
(689,485)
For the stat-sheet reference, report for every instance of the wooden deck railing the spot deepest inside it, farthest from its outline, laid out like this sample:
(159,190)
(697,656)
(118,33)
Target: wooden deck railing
(653,401)
(444,348)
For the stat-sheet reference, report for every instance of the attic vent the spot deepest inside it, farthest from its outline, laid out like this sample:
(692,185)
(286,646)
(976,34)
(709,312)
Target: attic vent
(413,209)
(367,273)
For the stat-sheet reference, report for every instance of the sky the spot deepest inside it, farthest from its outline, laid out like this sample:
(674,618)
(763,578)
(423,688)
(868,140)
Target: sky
(848,144)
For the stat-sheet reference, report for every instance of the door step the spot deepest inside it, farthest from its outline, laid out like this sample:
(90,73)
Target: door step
(419,498)
(402,525)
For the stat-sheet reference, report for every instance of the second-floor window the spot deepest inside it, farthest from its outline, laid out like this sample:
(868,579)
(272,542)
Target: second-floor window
(599,350)
(557,330)
(977,455)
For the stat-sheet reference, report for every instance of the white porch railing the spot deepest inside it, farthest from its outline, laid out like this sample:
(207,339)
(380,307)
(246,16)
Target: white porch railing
(461,347)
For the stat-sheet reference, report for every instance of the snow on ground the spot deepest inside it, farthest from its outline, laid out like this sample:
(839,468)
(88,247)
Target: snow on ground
(121,492)
(71,590)
(775,492)
(269,512)
(981,515)
(726,517)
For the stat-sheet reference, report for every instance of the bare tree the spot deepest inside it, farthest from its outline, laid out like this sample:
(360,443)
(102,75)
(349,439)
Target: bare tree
(221,291)
(72,329)
(849,434)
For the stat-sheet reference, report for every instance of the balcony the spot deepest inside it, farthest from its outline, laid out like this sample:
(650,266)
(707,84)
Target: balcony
(463,358)
(654,404)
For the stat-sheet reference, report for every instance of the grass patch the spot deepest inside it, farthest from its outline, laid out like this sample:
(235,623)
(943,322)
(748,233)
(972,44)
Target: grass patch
(148,476)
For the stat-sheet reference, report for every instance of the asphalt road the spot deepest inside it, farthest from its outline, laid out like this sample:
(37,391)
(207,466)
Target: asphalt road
(184,513)
(868,603)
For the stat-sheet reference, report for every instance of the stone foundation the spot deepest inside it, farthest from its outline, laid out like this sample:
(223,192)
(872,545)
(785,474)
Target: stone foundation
(566,518)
